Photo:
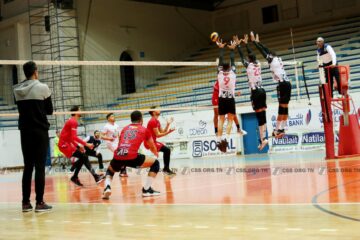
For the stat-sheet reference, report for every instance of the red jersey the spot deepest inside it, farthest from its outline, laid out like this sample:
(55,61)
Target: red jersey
(68,139)
(131,137)
(154,123)
(215,96)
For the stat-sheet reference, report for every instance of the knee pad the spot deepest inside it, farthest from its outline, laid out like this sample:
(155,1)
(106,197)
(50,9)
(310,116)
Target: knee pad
(283,110)
(155,167)
(261,117)
(109,173)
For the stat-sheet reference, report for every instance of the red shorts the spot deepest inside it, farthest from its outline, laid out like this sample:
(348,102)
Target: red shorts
(215,99)
(67,149)
(158,145)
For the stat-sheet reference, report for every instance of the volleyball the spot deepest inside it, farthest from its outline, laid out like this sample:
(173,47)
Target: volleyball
(214,36)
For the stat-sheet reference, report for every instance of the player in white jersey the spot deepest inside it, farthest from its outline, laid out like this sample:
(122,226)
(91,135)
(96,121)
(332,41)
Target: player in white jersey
(110,133)
(258,93)
(227,80)
(283,88)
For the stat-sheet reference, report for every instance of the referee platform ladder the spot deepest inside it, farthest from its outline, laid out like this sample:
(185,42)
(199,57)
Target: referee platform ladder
(349,129)
(54,37)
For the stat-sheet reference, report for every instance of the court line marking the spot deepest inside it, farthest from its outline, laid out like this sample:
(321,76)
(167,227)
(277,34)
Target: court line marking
(201,227)
(175,226)
(260,228)
(293,229)
(328,230)
(316,204)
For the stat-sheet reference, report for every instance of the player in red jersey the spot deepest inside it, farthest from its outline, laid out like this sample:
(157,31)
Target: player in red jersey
(68,145)
(157,131)
(126,154)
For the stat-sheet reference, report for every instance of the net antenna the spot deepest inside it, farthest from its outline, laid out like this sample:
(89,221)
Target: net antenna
(296,72)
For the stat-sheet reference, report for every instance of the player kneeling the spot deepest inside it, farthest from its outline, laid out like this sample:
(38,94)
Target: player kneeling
(126,154)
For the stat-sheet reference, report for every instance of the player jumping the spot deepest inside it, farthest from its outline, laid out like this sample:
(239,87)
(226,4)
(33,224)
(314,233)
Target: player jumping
(227,80)
(283,88)
(258,93)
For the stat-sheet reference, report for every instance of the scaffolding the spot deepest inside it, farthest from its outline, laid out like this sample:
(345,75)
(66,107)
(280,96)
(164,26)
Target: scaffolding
(54,36)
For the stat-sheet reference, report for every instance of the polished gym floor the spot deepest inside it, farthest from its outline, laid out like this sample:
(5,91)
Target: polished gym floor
(276,196)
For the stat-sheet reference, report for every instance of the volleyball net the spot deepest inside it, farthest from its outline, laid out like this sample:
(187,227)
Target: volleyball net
(120,86)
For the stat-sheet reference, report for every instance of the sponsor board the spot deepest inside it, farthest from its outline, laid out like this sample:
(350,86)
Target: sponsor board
(206,147)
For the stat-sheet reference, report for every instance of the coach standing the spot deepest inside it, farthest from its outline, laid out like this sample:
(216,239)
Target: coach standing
(33,99)
(327,55)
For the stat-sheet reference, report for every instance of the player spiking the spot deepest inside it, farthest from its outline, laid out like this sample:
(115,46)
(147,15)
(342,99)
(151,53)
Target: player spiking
(284,86)
(126,154)
(258,93)
(227,80)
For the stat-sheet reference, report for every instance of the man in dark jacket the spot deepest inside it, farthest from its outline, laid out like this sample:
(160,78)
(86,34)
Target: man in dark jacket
(33,99)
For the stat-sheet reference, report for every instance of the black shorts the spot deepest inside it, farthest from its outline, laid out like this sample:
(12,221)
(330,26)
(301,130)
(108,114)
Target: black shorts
(90,153)
(226,105)
(284,92)
(134,163)
(258,98)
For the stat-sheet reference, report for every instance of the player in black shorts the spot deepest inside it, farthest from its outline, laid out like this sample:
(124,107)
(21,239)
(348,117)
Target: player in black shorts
(258,93)
(126,154)
(283,88)
(95,140)
(227,80)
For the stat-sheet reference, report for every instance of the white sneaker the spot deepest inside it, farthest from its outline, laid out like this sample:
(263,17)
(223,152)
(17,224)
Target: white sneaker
(242,132)
(263,144)
(107,193)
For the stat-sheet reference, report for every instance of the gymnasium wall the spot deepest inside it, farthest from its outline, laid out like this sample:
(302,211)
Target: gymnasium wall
(234,17)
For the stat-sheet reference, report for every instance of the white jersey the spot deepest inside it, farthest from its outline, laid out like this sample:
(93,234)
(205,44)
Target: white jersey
(277,70)
(227,83)
(111,131)
(253,72)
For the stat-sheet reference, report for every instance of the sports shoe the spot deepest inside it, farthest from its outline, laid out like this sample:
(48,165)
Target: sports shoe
(76,181)
(278,133)
(27,207)
(107,192)
(123,173)
(242,132)
(167,171)
(42,207)
(264,142)
(150,192)
(99,178)
(222,145)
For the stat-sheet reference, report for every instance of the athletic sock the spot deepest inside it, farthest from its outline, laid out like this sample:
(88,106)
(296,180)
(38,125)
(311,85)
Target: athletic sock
(148,182)
(108,180)
(278,124)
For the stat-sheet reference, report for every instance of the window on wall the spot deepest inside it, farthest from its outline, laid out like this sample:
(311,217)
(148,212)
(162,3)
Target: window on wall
(270,14)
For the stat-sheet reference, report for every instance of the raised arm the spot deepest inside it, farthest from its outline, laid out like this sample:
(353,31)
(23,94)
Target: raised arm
(262,49)
(238,42)
(232,46)
(221,46)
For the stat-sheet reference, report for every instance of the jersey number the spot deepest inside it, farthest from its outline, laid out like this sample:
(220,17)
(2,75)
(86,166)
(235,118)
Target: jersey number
(256,71)
(130,134)
(226,80)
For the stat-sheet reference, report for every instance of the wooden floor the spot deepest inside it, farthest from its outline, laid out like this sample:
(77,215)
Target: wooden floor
(278,196)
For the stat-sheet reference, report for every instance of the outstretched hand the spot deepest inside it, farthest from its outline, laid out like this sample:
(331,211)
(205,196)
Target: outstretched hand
(237,40)
(232,45)
(246,38)
(220,43)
